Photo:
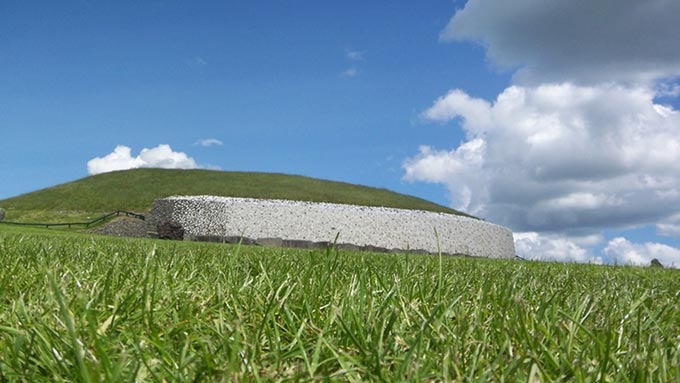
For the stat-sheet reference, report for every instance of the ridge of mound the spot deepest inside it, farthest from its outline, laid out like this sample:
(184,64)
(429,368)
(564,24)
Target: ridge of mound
(136,190)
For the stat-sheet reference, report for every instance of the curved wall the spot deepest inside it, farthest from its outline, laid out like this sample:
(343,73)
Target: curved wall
(389,228)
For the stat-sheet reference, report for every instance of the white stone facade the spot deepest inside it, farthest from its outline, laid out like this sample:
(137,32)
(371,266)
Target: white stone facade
(389,228)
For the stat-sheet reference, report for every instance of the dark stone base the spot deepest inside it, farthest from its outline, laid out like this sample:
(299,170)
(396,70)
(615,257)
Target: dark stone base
(171,230)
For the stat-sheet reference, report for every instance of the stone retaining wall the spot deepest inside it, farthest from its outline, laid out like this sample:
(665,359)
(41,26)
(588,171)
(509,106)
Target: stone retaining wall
(123,227)
(360,226)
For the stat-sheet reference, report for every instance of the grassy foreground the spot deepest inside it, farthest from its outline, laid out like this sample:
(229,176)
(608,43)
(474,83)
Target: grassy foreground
(87,309)
(136,190)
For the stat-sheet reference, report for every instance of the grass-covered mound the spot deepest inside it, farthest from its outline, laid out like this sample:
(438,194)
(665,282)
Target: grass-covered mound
(136,189)
(80,309)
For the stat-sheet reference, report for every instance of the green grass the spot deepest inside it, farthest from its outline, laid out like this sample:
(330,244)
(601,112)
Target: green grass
(80,309)
(136,189)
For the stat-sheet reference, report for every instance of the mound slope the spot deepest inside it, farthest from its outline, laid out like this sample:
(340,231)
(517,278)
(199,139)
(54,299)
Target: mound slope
(137,189)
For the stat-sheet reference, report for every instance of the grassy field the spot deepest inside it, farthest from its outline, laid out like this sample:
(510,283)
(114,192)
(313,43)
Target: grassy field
(136,189)
(86,309)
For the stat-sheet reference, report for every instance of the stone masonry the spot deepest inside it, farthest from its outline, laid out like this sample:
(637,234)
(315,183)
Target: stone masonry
(361,226)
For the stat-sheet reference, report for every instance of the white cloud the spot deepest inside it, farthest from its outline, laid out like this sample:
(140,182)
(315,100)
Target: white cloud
(162,156)
(669,227)
(460,170)
(207,142)
(197,61)
(559,157)
(581,41)
(550,247)
(579,143)
(354,55)
(351,72)
(622,251)
(668,90)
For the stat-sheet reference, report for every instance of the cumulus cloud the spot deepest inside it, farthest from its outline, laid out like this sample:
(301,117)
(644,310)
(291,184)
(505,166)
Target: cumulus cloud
(581,141)
(207,142)
(622,251)
(574,40)
(162,156)
(459,169)
(558,157)
(551,247)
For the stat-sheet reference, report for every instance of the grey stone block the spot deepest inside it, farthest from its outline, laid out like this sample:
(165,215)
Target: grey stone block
(123,227)
(312,225)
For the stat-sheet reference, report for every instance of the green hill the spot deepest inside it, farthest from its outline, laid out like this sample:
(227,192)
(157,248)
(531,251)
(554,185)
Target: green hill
(136,189)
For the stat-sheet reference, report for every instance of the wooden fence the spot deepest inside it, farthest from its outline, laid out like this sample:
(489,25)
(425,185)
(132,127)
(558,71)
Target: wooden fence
(85,224)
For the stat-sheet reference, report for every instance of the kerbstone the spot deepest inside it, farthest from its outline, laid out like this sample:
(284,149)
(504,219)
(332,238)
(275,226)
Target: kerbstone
(365,227)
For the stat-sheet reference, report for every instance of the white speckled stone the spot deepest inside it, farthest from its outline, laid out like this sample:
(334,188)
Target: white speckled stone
(359,225)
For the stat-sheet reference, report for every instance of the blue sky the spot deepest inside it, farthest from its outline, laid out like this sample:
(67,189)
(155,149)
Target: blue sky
(556,120)
(268,81)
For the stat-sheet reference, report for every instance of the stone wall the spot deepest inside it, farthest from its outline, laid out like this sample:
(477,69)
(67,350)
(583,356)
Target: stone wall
(123,227)
(365,227)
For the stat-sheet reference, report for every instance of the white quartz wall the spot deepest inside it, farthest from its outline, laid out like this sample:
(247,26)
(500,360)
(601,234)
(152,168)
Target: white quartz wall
(318,222)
